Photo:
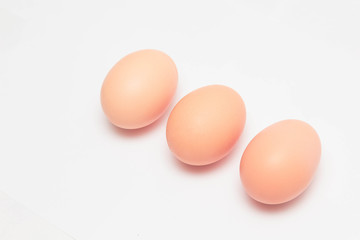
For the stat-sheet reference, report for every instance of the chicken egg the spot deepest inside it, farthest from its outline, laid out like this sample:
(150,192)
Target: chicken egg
(204,125)
(139,88)
(279,162)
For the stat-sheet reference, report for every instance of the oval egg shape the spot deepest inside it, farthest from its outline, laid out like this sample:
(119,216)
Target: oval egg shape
(139,88)
(204,125)
(279,162)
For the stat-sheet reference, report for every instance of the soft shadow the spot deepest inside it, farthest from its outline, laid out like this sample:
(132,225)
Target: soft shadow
(140,131)
(273,208)
(199,169)
(211,167)
(277,208)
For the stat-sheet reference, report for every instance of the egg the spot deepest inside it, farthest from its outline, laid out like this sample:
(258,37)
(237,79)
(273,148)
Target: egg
(279,162)
(204,125)
(139,88)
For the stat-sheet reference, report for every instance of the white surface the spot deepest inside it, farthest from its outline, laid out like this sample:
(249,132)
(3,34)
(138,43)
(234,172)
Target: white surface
(18,223)
(62,159)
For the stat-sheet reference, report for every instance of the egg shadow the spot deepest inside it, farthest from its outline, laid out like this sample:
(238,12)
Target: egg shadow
(130,133)
(273,208)
(199,169)
(211,167)
(277,208)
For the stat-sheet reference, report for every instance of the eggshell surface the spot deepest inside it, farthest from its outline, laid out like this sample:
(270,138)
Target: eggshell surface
(204,125)
(139,88)
(279,162)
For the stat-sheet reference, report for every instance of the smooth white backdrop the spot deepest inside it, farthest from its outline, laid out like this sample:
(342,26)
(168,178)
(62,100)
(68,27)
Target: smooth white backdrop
(61,158)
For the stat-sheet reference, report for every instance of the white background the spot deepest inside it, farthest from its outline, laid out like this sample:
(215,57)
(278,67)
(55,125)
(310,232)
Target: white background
(61,158)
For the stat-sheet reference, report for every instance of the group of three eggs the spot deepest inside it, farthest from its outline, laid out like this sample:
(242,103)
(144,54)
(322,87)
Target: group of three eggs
(277,165)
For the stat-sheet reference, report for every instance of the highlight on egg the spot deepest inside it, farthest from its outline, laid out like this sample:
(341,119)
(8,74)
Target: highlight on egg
(204,125)
(139,88)
(279,162)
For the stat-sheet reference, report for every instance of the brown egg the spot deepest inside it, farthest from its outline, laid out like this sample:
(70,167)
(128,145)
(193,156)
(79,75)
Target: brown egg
(280,161)
(139,88)
(204,125)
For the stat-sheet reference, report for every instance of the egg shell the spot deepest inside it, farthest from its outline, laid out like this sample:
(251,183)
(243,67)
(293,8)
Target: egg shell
(139,88)
(279,162)
(204,125)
